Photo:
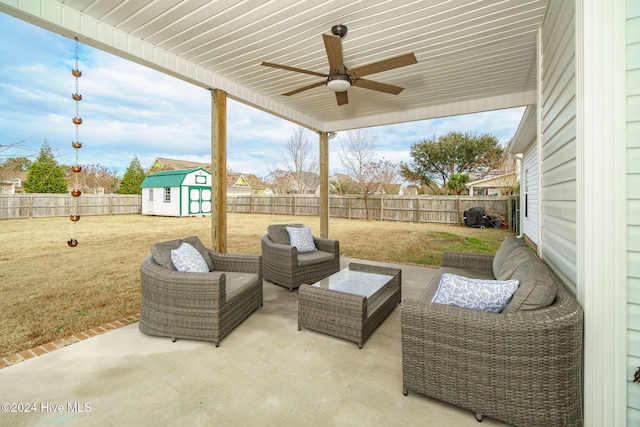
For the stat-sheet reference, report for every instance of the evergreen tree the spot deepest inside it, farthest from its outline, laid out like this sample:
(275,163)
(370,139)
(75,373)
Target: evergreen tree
(132,179)
(45,175)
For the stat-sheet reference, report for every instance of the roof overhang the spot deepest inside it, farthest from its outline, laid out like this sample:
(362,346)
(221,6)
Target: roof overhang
(526,133)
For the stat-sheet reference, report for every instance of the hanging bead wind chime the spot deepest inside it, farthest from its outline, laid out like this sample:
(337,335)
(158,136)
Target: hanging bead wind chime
(76,168)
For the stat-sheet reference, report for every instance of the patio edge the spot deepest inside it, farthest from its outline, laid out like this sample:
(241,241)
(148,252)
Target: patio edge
(63,342)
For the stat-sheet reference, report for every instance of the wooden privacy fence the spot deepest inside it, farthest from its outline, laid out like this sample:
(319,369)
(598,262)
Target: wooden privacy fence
(34,205)
(427,209)
(430,209)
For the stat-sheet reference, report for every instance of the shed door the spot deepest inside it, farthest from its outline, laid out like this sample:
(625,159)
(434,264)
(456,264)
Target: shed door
(199,200)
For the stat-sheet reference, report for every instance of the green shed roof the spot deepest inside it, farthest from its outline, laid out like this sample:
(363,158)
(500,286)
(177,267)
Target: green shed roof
(172,178)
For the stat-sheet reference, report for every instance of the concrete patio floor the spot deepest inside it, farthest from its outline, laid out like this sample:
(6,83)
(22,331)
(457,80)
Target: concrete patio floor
(265,373)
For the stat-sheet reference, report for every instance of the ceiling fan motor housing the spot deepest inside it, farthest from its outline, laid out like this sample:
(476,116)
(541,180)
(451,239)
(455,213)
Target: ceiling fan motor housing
(339,30)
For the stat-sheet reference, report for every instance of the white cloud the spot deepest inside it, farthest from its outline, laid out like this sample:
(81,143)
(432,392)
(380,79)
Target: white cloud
(130,110)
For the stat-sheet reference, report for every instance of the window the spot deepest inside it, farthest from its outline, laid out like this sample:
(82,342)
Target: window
(151,194)
(167,194)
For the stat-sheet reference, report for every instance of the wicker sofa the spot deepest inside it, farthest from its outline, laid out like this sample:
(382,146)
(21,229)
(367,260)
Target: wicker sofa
(199,306)
(284,266)
(522,366)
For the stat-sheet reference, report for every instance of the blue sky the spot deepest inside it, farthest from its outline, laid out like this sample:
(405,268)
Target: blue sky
(129,110)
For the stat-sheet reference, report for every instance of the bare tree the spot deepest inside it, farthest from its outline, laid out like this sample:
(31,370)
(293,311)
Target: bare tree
(504,167)
(277,181)
(298,158)
(357,154)
(94,179)
(20,145)
(389,177)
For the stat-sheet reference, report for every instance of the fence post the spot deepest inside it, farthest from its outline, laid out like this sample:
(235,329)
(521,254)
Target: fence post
(295,204)
(418,208)
(381,208)
(31,206)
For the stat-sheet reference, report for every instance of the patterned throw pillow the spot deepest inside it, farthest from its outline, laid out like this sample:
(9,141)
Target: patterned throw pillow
(187,258)
(486,295)
(302,239)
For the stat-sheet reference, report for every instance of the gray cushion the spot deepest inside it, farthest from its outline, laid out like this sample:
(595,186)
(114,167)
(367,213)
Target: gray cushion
(196,243)
(236,283)
(506,248)
(311,258)
(513,261)
(537,289)
(161,253)
(278,233)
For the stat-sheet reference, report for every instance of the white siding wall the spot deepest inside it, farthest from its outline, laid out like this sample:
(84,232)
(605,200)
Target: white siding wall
(633,206)
(160,207)
(558,152)
(529,193)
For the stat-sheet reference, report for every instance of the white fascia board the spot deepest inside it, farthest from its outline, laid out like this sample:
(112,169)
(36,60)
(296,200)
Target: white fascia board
(500,102)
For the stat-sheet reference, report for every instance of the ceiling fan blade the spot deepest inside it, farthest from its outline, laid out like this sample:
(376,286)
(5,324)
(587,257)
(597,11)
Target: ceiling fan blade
(384,65)
(333,46)
(380,87)
(302,89)
(342,98)
(297,70)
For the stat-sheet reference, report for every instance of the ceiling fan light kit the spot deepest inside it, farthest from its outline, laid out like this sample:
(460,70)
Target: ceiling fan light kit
(340,79)
(339,82)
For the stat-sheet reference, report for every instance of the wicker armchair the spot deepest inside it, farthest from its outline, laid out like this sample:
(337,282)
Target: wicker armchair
(199,306)
(284,266)
(523,367)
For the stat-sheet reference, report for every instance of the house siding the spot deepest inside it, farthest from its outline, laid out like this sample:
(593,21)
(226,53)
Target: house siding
(558,141)
(529,194)
(633,207)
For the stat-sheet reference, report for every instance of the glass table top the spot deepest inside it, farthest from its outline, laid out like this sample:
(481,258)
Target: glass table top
(354,282)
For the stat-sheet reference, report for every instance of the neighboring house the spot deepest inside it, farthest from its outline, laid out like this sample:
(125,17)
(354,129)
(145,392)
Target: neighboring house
(340,183)
(11,182)
(302,183)
(239,184)
(164,164)
(501,185)
(409,191)
(184,192)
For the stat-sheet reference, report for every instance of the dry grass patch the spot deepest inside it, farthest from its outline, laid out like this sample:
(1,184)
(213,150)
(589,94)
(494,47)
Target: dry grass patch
(50,291)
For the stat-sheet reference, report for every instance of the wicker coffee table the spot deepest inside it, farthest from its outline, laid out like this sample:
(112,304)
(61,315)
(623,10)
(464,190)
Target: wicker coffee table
(351,303)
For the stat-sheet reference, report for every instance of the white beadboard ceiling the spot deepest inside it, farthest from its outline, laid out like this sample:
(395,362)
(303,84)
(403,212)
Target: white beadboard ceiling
(472,55)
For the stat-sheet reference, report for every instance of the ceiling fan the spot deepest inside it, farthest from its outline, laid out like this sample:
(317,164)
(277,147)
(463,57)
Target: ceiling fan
(340,78)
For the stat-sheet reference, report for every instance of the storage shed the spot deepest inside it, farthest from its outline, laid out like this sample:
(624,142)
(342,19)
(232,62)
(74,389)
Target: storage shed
(184,192)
